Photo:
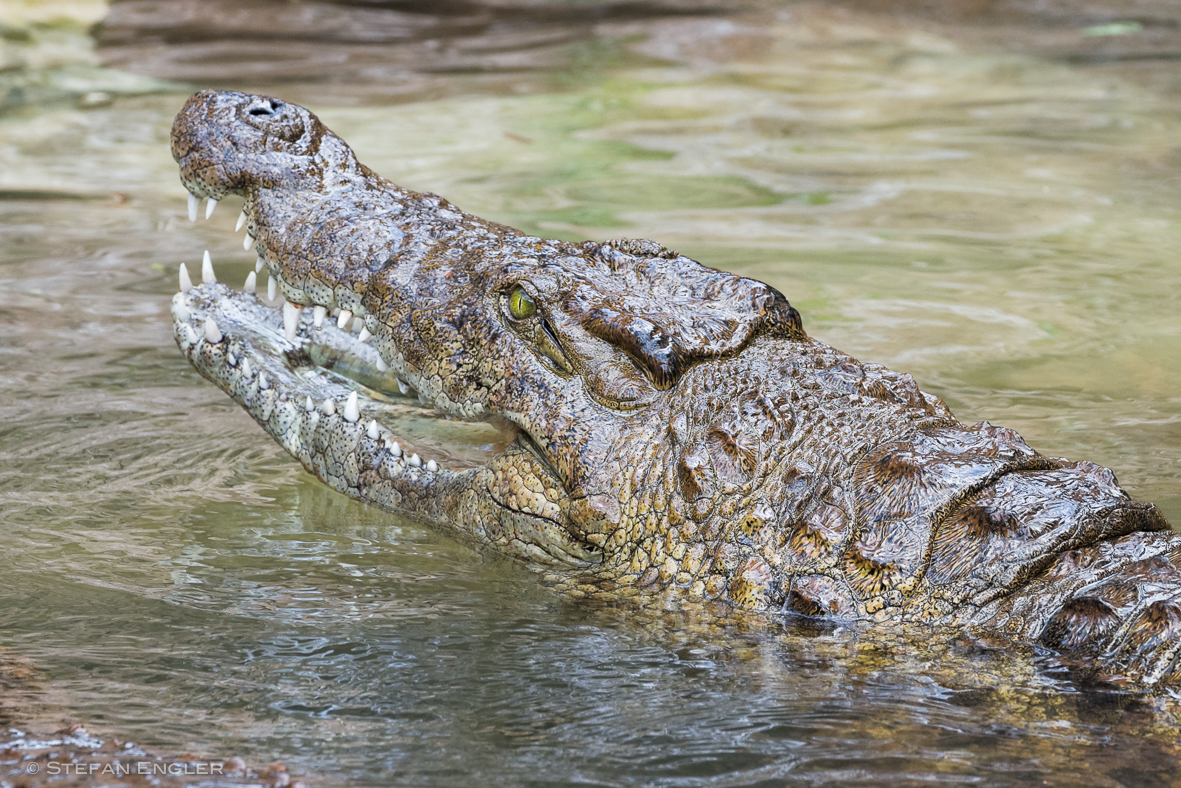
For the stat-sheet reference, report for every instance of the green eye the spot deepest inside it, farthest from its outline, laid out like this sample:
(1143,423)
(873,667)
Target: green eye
(520,305)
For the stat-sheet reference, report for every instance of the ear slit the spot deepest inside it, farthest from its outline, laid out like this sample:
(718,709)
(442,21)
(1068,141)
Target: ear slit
(552,347)
(549,330)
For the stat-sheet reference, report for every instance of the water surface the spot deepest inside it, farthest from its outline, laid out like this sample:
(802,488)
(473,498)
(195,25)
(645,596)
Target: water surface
(986,202)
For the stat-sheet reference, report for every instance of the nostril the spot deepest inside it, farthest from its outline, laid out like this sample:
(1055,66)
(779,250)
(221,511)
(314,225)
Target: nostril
(267,108)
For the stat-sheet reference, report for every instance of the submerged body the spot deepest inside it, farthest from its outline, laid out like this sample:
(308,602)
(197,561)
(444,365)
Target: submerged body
(674,432)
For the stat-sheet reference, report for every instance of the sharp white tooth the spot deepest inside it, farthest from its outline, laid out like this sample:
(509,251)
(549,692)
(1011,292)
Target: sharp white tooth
(180,309)
(351,412)
(190,335)
(381,365)
(414,461)
(231,359)
(343,320)
(245,367)
(395,449)
(251,282)
(186,284)
(194,203)
(372,431)
(212,332)
(432,466)
(207,269)
(309,406)
(241,221)
(262,381)
(290,320)
(364,335)
(329,407)
(259,263)
(404,387)
(209,206)
(247,242)
(272,288)
(318,313)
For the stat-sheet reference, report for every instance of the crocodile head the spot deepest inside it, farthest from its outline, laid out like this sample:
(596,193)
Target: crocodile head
(669,428)
(577,348)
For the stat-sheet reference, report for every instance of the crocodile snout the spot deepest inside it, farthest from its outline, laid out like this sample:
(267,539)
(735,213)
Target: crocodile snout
(227,143)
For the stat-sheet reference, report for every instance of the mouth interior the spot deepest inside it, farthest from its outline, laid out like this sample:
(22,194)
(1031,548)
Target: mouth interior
(459,444)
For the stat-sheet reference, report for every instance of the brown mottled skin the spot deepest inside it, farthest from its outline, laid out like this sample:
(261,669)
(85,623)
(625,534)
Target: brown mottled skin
(677,434)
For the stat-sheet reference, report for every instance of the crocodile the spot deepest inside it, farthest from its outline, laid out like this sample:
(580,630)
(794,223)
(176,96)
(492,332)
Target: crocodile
(668,432)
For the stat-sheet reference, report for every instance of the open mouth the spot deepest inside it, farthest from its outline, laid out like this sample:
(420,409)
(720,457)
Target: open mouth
(369,358)
(270,344)
(312,378)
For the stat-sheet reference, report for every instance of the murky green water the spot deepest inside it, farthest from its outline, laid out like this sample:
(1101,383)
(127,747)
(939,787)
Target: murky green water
(998,219)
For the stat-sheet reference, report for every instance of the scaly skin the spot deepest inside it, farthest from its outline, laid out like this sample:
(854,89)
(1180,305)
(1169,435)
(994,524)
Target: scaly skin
(678,436)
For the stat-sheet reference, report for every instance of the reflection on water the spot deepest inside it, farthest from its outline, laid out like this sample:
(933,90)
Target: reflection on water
(987,202)
(379,51)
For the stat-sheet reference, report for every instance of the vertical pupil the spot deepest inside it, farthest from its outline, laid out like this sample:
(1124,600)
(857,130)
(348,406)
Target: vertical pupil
(520,304)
